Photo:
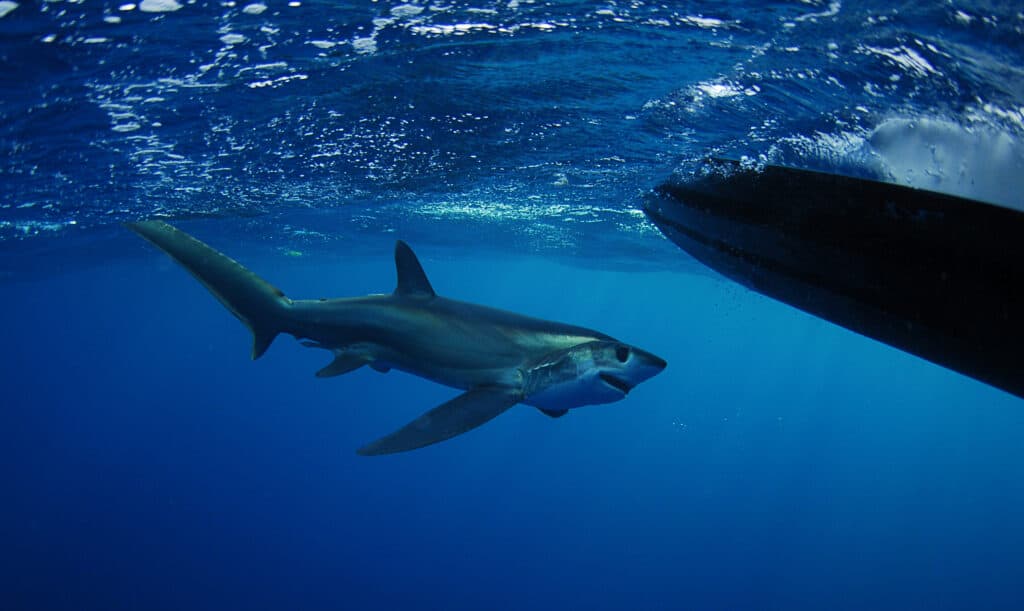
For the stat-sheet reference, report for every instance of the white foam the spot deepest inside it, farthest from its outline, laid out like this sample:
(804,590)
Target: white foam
(980,162)
(277,81)
(232,39)
(6,6)
(126,127)
(268,67)
(254,9)
(832,11)
(702,22)
(36,227)
(718,90)
(906,58)
(159,6)
(366,44)
(463,28)
(963,18)
(1009,115)
(406,10)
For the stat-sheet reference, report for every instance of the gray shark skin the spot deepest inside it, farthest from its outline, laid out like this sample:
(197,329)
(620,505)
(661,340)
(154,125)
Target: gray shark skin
(498,358)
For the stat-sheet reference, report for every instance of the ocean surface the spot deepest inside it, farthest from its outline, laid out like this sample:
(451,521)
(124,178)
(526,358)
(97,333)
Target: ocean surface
(779,462)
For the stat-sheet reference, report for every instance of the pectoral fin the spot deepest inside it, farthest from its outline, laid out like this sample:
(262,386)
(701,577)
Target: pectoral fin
(463,413)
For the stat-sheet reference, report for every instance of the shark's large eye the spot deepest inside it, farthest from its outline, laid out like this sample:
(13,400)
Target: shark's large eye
(622,353)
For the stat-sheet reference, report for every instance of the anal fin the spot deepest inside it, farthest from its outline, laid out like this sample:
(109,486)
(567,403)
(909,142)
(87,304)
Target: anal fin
(463,413)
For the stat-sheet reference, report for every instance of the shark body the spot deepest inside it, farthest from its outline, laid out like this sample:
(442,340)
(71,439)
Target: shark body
(498,358)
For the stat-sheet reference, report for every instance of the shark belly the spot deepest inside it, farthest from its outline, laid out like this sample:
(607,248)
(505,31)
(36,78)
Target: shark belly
(572,394)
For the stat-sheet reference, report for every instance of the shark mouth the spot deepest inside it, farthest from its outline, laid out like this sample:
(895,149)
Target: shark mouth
(615,383)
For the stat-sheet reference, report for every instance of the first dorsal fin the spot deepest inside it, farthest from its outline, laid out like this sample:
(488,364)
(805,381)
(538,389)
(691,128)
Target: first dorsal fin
(412,282)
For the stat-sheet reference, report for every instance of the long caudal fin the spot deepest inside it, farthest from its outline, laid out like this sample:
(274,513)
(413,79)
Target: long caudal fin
(253,300)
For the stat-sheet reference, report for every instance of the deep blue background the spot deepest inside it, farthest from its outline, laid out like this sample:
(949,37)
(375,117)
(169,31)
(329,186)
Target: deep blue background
(778,462)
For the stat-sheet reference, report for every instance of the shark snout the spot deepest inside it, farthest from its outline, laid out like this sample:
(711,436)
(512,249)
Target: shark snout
(644,366)
(632,367)
(655,362)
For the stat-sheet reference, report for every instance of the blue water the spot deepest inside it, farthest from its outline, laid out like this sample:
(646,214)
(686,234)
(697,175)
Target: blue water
(778,462)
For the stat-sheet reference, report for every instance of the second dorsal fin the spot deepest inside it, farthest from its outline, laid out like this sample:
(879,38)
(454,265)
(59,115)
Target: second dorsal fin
(412,282)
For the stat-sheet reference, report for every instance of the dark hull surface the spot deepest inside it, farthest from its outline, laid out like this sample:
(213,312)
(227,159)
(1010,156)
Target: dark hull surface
(938,276)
